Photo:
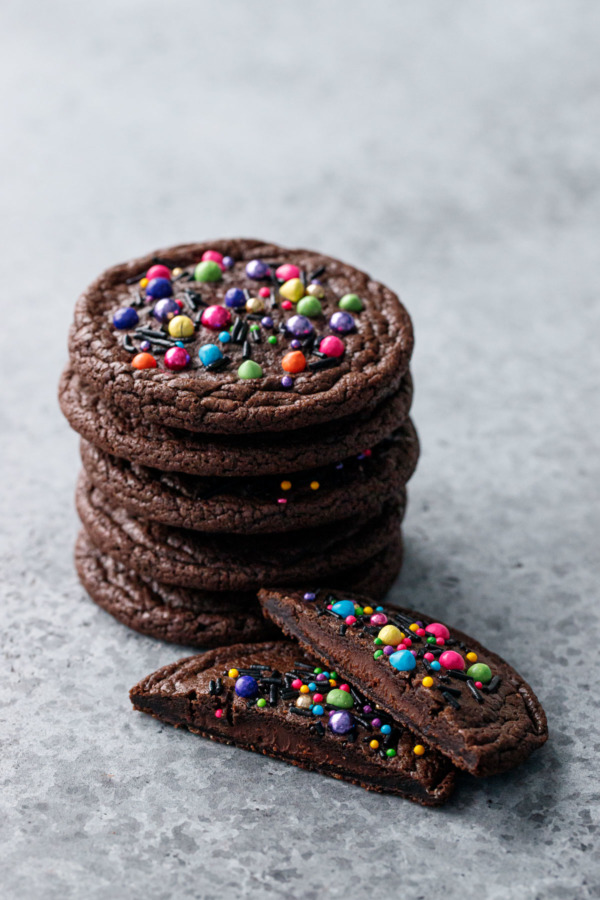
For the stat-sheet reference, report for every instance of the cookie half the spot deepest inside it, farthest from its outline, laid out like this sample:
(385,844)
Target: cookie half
(176,450)
(231,562)
(258,697)
(351,337)
(356,487)
(446,687)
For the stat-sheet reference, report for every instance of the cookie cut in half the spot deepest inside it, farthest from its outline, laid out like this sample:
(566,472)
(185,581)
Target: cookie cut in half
(448,689)
(270,699)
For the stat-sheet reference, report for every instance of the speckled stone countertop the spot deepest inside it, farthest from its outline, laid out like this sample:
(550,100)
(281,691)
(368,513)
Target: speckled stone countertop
(452,150)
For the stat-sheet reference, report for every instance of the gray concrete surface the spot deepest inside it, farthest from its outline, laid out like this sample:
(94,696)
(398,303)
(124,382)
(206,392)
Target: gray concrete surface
(452,149)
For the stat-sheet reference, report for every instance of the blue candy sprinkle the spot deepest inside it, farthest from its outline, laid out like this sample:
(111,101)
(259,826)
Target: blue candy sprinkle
(317,710)
(224,337)
(403,660)
(343,608)
(435,665)
(126,317)
(209,353)
(386,729)
(312,686)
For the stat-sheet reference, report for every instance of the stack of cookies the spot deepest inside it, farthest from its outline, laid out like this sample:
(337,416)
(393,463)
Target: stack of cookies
(243,411)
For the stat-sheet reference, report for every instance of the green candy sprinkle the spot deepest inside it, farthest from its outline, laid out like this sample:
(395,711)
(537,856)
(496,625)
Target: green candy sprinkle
(272,339)
(261,703)
(249,369)
(340,699)
(378,641)
(391,753)
(480,672)
(208,271)
(351,302)
(255,327)
(309,306)
(358,611)
(431,640)
(333,675)
(377,654)
(317,671)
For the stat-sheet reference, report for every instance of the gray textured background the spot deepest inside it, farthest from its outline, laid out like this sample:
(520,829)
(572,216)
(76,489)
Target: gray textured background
(453,150)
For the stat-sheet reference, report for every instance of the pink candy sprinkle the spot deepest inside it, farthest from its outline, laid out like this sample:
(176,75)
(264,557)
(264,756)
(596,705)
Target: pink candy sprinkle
(429,657)
(214,256)
(282,500)
(219,713)
(264,292)
(378,619)
(317,698)
(440,641)
(407,642)
(438,629)
(478,684)
(450,659)
(420,632)
(287,271)
(332,346)
(344,687)
(297,684)
(350,620)
(158,272)
(287,304)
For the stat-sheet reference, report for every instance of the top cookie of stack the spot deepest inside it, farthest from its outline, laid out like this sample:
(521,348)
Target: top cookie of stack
(274,383)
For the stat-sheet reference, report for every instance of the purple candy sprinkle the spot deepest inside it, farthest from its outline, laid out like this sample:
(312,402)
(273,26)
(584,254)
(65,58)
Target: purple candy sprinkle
(375,723)
(266,322)
(341,322)
(367,708)
(389,650)
(145,346)
(257,269)
(287,381)
(296,344)
(309,596)
(228,262)
(321,677)
(300,326)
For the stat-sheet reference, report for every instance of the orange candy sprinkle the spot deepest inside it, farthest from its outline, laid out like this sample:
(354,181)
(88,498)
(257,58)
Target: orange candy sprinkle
(294,362)
(143,361)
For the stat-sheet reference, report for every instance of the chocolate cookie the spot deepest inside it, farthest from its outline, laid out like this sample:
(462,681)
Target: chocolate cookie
(357,487)
(178,615)
(201,618)
(270,339)
(454,693)
(261,697)
(231,562)
(172,450)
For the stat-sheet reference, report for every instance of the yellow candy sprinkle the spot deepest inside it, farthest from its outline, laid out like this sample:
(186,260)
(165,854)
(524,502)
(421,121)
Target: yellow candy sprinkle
(368,610)
(472,657)
(304,689)
(293,290)
(374,745)
(143,282)
(181,326)
(332,682)
(285,485)
(389,634)
(314,485)
(413,627)
(233,673)
(418,749)
(427,681)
